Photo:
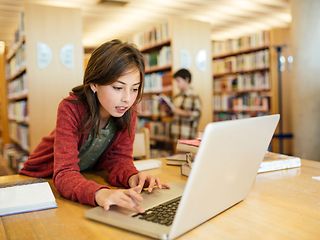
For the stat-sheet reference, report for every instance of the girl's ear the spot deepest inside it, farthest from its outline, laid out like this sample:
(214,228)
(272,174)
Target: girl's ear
(93,87)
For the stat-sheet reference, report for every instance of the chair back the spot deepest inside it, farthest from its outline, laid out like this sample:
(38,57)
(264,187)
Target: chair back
(141,144)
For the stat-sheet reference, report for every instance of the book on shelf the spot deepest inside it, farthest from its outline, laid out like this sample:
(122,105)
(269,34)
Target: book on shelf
(271,162)
(188,145)
(276,161)
(27,196)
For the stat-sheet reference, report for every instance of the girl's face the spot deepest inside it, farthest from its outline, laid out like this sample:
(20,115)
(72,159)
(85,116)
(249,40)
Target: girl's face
(115,99)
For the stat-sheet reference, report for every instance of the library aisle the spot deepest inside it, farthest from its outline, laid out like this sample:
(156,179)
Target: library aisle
(41,68)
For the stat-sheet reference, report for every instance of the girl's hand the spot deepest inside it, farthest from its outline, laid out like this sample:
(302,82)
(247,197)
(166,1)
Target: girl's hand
(127,198)
(142,180)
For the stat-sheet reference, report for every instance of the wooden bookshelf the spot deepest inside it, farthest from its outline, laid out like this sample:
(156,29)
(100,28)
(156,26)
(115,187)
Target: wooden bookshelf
(4,123)
(37,77)
(241,73)
(245,77)
(162,46)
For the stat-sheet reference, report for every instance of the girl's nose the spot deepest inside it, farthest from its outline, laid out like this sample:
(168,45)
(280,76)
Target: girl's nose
(125,96)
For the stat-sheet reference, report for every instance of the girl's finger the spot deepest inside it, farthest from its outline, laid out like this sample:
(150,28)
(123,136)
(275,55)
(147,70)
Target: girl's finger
(165,186)
(125,203)
(137,188)
(158,182)
(142,180)
(134,195)
(106,206)
(152,183)
(162,185)
(128,202)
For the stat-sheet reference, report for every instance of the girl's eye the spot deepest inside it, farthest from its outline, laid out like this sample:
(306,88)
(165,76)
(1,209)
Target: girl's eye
(135,90)
(117,88)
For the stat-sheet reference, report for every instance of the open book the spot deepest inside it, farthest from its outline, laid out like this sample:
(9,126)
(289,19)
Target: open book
(166,101)
(26,198)
(275,161)
(271,162)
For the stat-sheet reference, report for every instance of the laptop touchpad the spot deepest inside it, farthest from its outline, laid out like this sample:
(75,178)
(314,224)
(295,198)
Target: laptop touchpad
(156,197)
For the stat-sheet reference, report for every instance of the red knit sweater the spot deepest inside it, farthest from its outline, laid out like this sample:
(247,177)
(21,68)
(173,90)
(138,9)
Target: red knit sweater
(57,156)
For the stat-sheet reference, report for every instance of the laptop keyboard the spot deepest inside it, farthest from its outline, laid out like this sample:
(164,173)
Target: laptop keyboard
(162,214)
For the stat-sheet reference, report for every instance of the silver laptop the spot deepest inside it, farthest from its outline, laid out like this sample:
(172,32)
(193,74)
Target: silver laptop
(223,172)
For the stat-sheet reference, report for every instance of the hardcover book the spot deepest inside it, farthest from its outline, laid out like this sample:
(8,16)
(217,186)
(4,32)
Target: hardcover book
(188,145)
(177,159)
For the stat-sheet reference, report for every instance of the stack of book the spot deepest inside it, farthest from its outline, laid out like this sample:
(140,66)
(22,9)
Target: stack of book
(186,149)
(188,145)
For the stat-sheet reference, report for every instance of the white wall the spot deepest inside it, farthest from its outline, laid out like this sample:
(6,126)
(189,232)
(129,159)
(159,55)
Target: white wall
(306,78)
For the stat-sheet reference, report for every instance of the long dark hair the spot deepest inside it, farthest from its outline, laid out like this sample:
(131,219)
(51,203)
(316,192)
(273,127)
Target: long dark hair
(107,63)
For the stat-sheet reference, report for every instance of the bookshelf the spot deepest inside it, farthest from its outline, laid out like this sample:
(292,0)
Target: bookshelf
(39,74)
(167,47)
(241,73)
(245,78)
(155,45)
(4,125)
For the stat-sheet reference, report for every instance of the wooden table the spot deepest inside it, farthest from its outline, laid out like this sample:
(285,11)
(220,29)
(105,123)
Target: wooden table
(281,205)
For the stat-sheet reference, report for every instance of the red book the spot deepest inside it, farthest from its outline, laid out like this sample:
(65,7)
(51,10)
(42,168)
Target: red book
(188,145)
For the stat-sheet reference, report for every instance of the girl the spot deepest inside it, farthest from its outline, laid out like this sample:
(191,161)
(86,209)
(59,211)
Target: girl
(95,128)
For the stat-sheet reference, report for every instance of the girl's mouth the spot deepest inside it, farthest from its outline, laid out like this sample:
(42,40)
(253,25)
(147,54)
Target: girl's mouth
(121,109)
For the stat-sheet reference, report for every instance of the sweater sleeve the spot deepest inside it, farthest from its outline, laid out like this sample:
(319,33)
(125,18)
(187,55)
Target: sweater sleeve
(117,160)
(67,178)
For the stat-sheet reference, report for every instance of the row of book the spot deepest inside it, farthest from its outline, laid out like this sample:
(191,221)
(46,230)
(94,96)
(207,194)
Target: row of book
(158,58)
(188,149)
(243,62)
(155,106)
(243,82)
(152,36)
(18,111)
(157,82)
(16,63)
(245,102)
(20,135)
(14,156)
(159,131)
(223,116)
(239,44)
(18,86)
(149,106)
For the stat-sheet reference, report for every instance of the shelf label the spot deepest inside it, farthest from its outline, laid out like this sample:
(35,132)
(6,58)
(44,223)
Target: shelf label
(185,58)
(44,55)
(201,60)
(67,56)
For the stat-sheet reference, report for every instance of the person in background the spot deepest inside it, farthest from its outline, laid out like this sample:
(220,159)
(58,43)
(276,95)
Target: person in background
(95,129)
(187,110)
